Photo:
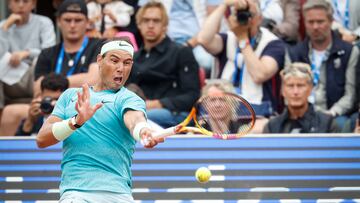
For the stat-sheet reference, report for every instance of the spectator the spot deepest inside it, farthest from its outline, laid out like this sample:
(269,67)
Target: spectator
(108,16)
(333,62)
(166,71)
(23,35)
(221,120)
(185,21)
(347,19)
(299,116)
(288,29)
(40,108)
(250,57)
(75,57)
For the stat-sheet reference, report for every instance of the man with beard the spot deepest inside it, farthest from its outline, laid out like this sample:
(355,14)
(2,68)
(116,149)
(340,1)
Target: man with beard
(299,116)
(333,62)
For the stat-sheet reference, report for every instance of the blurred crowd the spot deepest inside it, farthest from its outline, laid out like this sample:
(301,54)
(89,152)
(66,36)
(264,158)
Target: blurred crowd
(295,61)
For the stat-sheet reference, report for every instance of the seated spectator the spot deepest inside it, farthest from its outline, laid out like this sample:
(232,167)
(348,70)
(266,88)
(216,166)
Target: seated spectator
(288,29)
(347,19)
(185,21)
(333,62)
(299,115)
(23,35)
(166,72)
(108,16)
(41,107)
(221,120)
(75,57)
(250,57)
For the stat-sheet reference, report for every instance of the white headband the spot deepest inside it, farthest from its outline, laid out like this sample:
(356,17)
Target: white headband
(117,45)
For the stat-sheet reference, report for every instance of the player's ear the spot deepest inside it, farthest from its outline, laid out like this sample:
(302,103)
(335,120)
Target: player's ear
(99,58)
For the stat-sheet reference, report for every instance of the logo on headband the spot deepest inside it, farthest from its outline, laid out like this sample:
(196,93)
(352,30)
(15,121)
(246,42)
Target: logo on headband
(123,43)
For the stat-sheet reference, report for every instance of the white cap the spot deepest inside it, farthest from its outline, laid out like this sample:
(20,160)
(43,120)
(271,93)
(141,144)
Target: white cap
(117,45)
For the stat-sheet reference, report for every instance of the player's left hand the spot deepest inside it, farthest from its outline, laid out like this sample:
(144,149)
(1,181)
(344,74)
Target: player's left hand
(83,106)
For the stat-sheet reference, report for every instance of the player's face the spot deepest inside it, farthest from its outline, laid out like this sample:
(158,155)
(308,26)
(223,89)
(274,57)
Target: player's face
(115,68)
(73,26)
(318,25)
(22,7)
(296,92)
(152,27)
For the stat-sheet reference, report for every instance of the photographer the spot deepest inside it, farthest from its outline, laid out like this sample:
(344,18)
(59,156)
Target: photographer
(40,108)
(250,57)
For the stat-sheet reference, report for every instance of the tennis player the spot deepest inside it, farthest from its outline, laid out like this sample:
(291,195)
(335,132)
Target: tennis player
(99,127)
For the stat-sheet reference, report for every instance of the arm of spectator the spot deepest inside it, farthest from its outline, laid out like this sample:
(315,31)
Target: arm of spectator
(260,69)
(208,36)
(347,101)
(33,116)
(153,104)
(188,81)
(12,19)
(289,27)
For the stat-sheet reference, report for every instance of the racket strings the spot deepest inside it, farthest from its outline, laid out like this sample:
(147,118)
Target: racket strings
(227,116)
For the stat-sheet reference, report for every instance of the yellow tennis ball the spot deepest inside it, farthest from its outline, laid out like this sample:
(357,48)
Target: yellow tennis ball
(203,175)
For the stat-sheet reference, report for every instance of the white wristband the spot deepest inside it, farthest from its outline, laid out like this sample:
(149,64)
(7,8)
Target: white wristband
(61,130)
(137,129)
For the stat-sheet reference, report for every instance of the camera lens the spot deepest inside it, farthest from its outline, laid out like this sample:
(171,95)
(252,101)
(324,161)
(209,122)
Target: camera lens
(243,16)
(46,105)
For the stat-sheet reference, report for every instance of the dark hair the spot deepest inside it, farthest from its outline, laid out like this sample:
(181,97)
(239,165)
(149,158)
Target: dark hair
(54,82)
(72,6)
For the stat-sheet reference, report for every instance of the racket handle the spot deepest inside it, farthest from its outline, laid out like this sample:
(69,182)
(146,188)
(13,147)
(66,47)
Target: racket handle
(163,133)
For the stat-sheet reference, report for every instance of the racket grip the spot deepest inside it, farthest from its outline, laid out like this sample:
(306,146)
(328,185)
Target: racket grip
(161,134)
(164,133)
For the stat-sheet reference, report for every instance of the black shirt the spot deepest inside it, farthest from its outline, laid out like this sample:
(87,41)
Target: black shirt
(168,72)
(47,60)
(311,122)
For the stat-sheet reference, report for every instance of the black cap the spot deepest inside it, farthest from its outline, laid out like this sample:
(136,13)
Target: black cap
(72,6)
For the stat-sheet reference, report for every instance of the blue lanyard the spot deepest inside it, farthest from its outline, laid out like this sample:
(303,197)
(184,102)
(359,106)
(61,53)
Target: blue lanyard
(346,17)
(77,58)
(237,76)
(315,69)
(238,73)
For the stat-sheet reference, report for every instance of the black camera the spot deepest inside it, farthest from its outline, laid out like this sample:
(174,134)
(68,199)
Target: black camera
(243,15)
(46,105)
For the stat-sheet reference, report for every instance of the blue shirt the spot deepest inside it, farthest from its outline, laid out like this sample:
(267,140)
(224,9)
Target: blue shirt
(98,155)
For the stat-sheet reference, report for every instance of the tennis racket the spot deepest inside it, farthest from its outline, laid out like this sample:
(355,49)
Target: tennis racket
(223,116)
